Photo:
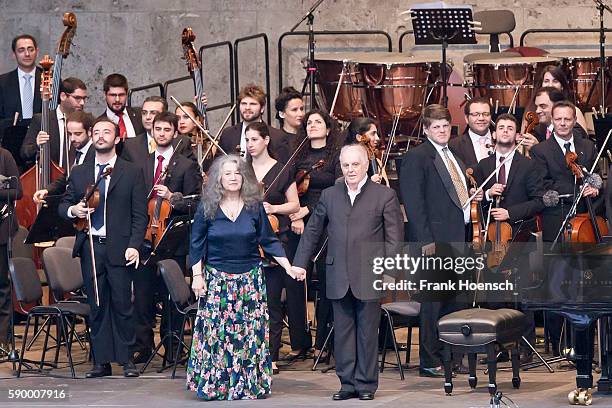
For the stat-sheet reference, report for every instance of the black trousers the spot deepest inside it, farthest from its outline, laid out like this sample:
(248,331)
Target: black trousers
(144,308)
(356,343)
(112,324)
(5,297)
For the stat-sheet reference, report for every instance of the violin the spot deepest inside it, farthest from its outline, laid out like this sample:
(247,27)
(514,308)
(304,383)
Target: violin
(302,177)
(92,199)
(475,216)
(274,223)
(532,121)
(500,235)
(585,227)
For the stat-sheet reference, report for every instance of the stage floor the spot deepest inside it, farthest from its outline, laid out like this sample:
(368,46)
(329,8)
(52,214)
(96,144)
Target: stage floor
(296,387)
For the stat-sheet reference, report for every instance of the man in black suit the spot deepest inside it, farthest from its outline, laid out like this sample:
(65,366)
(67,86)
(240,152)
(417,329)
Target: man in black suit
(72,96)
(517,183)
(127,119)
(252,104)
(549,156)
(10,190)
(183,176)
(118,226)
(15,96)
(476,142)
(78,128)
(435,192)
(138,149)
(355,211)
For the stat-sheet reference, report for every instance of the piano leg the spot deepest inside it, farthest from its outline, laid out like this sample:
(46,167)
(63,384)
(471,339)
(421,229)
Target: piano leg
(604,384)
(583,340)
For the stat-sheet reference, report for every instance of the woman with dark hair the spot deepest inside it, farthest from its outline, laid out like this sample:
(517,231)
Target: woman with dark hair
(553,76)
(364,131)
(191,133)
(229,356)
(320,158)
(280,200)
(290,113)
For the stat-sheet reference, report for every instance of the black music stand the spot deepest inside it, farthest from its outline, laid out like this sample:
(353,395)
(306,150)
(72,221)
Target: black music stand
(48,225)
(443,26)
(174,235)
(602,126)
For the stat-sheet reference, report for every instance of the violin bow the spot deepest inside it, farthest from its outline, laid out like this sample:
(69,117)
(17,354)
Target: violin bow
(227,118)
(195,122)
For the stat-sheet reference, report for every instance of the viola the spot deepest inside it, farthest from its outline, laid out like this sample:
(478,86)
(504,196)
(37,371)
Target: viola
(500,235)
(585,227)
(302,177)
(475,216)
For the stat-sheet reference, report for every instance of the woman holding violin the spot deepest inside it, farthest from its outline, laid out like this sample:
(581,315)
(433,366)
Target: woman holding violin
(189,132)
(364,131)
(317,167)
(280,200)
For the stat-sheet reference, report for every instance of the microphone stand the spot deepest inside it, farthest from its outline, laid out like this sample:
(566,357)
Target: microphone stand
(311,69)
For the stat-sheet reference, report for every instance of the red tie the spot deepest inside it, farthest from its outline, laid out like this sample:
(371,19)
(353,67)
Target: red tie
(158,169)
(122,129)
(548,133)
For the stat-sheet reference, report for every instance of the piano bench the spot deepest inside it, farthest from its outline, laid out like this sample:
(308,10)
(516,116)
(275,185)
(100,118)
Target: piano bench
(474,331)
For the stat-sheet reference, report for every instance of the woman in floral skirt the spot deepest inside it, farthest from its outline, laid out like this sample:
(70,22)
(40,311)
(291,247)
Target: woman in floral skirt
(230,358)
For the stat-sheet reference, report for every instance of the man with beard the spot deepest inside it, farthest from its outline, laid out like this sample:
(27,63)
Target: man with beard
(78,128)
(72,96)
(475,143)
(118,226)
(127,119)
(183,176)
(252,104)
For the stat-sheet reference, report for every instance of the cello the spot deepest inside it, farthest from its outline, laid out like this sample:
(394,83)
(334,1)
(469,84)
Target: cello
(585,227)
(194,65)
(45,171)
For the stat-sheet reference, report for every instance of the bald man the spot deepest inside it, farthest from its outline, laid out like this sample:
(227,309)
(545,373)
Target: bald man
(355,212)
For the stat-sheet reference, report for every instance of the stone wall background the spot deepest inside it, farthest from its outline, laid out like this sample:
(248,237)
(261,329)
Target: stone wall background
(141,38)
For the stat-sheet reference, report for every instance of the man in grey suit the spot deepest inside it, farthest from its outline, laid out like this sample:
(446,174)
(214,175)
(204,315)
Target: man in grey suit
(359,214)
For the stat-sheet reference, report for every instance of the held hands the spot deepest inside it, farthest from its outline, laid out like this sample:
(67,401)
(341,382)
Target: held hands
(296,273)
(162,191)
(39,196)
(132,256)
(302,212)
(42,138)
(590,191)
(80,210)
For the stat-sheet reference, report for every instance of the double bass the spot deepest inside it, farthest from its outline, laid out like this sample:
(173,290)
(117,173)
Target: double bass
(194,65)
(45,171)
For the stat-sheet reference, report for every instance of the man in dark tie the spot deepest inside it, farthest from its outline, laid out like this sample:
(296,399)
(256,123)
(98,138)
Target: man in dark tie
(72,96)
(127,119)
(118,226)
(78,127)
(355,211)
(19,88)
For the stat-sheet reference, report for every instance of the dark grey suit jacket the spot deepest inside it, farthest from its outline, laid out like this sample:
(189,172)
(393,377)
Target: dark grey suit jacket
(10,98)
(374,221)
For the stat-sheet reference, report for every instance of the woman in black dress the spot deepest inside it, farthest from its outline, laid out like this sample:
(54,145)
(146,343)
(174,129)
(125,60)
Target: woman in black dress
(280,200)
(290,113)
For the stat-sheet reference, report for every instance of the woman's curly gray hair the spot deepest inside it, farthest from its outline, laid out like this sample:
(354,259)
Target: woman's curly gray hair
(250,192)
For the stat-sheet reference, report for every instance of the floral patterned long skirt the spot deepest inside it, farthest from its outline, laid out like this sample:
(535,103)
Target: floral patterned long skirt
(230,357)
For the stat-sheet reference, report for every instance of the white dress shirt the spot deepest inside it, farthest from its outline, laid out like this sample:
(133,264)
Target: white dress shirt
(83,151)
(480,144)
(61,124)
(129,127)
(562,142)
(354,193)
(166,155)
(466,210)
(507,165)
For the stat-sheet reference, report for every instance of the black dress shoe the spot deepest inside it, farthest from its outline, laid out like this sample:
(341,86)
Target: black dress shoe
(344,395)
(129,370)
(366,396)
(434,372)
(141,357)
(100,370)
